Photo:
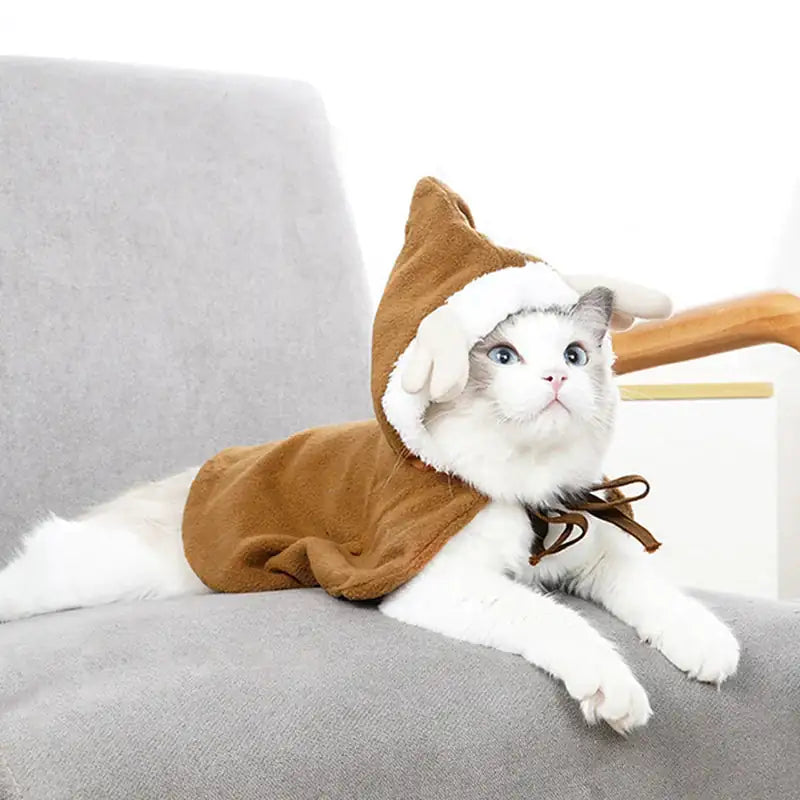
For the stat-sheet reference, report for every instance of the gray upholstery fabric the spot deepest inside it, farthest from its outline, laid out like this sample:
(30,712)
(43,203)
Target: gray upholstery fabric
(178,273)
(295,695)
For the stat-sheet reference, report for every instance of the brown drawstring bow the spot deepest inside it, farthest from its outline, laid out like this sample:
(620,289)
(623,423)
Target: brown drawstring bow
(607,510)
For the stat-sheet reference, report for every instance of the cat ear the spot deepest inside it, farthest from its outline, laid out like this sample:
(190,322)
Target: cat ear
(595,309)
(631,301)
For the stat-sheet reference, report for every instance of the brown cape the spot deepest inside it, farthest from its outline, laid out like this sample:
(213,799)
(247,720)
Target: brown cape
(349,507)
(332,506)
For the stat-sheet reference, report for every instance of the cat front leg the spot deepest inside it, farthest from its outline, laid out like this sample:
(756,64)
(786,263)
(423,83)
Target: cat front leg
(677,625)
(483,607)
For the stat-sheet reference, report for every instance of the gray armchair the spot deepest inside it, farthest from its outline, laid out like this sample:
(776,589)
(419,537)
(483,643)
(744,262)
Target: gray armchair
(178,273)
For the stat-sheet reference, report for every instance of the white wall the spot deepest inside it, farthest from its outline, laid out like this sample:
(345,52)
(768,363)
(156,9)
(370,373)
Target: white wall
(659,142)
(650,140)
(712,467)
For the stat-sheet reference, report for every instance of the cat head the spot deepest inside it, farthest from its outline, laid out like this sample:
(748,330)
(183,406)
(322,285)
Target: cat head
(537,413)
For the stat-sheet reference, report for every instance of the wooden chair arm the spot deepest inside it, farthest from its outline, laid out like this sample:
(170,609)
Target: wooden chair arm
(768,317)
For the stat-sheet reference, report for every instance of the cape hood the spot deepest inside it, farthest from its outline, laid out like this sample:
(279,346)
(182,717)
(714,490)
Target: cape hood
(446,262)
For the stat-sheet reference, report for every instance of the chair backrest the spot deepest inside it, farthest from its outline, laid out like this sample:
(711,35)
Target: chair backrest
(178,273)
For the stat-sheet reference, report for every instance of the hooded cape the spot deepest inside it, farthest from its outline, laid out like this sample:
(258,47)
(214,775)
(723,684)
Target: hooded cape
(360,508)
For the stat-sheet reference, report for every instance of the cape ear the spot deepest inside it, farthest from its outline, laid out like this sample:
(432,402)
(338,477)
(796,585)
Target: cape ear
(434,206)
(630,299)
(438,358)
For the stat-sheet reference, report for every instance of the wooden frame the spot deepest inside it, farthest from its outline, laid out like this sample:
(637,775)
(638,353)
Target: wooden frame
(768,317)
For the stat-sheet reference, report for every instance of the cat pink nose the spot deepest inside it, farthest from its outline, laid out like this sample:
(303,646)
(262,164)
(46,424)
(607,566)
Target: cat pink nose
(556,380)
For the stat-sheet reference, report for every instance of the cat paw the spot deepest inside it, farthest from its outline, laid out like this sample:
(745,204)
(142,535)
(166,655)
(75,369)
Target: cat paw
(700,645)
(607,691)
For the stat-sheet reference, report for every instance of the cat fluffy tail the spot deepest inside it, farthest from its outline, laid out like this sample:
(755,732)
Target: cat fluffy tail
(128,549)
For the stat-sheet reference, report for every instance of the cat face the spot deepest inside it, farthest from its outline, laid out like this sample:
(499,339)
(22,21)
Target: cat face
(538,410)
(544,374)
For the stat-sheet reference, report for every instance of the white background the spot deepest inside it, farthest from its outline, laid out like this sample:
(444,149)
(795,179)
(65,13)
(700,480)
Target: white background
(658,142)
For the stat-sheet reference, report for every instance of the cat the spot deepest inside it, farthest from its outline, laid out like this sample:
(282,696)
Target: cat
(531,426)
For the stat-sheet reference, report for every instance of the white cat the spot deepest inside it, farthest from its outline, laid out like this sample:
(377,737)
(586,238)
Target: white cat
(531,426)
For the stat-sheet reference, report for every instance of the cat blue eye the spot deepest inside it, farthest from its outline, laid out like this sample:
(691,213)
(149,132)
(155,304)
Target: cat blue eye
(576,355)
(503,354)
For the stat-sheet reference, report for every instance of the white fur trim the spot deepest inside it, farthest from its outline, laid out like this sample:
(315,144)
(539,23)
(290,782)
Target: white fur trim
(478,308)
(489,299)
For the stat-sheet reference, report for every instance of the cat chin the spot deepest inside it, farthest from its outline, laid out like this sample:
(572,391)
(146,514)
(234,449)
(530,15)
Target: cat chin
(549,425)
(548,434)
(547,414)
(552,426)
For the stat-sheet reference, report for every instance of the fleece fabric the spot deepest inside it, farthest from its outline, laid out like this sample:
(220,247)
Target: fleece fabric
(332,506)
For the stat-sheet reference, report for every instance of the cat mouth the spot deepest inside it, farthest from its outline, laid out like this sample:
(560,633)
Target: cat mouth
(553,407)
(555,402)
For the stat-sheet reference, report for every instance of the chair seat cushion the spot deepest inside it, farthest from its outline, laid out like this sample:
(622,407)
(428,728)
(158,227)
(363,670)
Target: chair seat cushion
(296,695)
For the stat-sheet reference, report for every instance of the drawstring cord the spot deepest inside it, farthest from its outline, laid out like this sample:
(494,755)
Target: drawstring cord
(607,510)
